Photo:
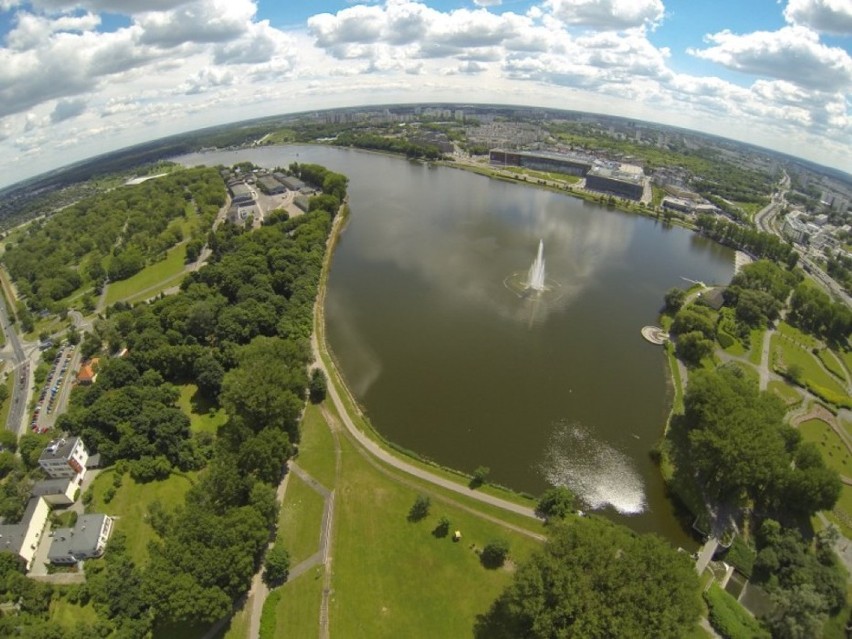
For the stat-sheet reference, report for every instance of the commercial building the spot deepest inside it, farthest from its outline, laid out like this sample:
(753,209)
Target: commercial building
(22,538)
(542,161)
(623,180)
(293,183)
(87,539)
(64,458)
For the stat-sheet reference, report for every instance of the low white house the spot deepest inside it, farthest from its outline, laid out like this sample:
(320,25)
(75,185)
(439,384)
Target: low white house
(87,539)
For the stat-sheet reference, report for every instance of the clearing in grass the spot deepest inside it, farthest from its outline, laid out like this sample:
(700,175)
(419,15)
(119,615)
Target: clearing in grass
(149,277)
(204,416)
(300,520)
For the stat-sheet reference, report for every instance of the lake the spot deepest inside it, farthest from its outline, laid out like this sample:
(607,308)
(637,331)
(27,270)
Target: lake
(429,323)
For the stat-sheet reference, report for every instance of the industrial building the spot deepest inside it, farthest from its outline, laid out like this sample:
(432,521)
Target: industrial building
(623,180)
(270,185)
(241,193)
(542,161)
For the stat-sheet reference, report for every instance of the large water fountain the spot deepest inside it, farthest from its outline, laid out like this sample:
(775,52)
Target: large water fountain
(535,278)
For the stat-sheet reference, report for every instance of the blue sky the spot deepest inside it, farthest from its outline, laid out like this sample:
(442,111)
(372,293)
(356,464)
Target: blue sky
(81,77)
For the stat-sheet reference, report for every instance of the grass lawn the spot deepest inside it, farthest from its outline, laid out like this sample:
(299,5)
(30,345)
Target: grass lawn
(756,345)
(833,450)
(293,609)
(300,520)
(796,335)
(832,363)
(203,416)
(847,426)
(405,582)
(7,405)
(68,615)
(846,356)
(148,277)
(51,324)
(316,447)
(788,394)
(130,504)
(791,353)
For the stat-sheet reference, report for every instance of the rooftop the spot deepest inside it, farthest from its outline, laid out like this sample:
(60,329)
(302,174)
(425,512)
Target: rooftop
(81,539)
(58,449)
(12,535)
(51,487)
(621,172)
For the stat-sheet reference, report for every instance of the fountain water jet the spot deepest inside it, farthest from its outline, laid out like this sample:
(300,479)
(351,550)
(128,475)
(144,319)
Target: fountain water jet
(535,278)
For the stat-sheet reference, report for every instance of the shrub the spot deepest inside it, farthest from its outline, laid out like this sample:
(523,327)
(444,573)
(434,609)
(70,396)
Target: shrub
(495,553)
(420,508)
(741,556)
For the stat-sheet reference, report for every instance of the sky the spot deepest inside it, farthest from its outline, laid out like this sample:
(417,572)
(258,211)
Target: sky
(82,77)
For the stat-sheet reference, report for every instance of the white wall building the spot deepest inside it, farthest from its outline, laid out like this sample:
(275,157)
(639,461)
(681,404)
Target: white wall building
(64,458)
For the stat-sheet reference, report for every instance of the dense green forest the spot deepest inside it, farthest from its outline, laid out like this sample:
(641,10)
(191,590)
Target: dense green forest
(240,330)
(111,235)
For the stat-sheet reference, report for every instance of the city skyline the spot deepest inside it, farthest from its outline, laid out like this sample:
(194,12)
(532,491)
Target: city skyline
(84,77)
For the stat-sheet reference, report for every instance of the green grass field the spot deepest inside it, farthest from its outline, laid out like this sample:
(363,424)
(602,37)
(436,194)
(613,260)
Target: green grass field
(788,394)
(7,405)
(130,505)
(294,608)
(300,520)
(796,335)
(756,345)
(846,356)
(151,276)
(833,450)
(203,416)
(841,515)
(316,447)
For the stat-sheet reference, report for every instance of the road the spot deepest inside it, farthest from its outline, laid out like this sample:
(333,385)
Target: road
(20,369)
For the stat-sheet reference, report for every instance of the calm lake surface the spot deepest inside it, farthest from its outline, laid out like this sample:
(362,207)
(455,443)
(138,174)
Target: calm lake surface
(427,325)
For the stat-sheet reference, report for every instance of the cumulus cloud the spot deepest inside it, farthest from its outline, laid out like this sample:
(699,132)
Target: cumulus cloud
(203,21)
(122,7)
(207,79)
(31,30)
(793,53)
(827,16)
(487,3)
(67,109)
(607,15)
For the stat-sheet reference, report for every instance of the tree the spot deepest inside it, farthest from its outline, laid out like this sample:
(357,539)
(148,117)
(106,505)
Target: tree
(443,527)
(798,613)
(495,553)
(420,508)
(556,503)
(277,566)
(692,347)
(318,386)
(584,584)
(674,299)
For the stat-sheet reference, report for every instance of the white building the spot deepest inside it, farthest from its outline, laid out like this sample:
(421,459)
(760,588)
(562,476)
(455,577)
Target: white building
(64,458)
(22,538)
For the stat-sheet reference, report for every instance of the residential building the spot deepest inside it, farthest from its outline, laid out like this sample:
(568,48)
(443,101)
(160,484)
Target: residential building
(88,373)
(64,458)
(87,539)
(56,492)
(22,538)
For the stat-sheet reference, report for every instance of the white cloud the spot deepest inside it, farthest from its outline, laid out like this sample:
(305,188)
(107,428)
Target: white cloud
(607,15)
(827,16)
(122,7)
(31,30)
(793,53)
(202,21)
(487,3)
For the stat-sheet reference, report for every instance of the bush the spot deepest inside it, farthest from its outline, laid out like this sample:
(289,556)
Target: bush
(109,493)
(443,527)
(729,618)
(277,566)
(725,340)
(149,469)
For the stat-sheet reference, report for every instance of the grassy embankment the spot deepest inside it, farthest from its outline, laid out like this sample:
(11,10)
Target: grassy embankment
(151,280)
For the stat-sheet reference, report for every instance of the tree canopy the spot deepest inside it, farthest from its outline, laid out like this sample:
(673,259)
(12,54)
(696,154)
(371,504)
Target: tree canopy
(594,579)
